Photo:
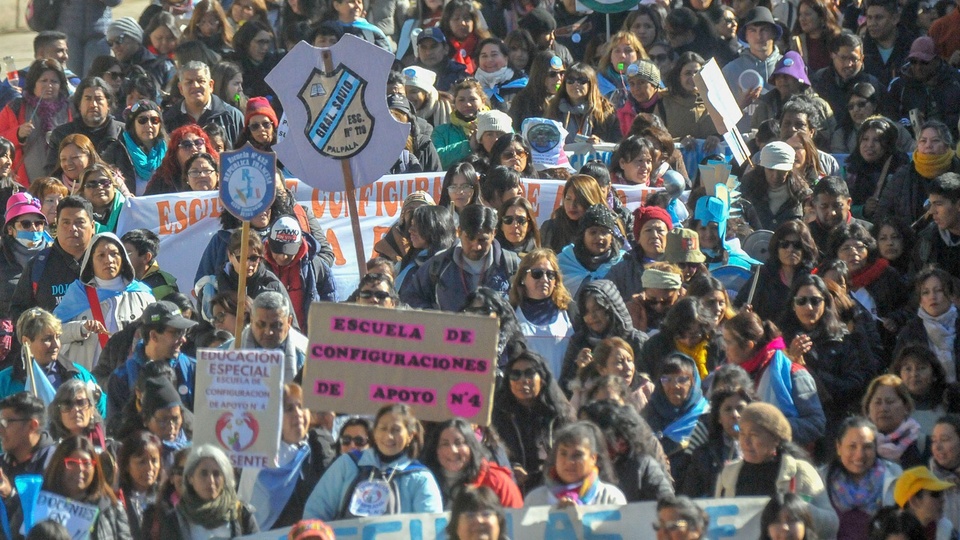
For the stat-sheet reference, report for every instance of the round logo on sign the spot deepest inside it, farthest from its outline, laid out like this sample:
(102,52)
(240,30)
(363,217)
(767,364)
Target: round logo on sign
(237,431)
(248,182)
(370,498)
(543,137)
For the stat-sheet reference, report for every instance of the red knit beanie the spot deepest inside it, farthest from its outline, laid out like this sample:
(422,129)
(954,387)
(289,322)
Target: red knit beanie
(647,213)
(260,105)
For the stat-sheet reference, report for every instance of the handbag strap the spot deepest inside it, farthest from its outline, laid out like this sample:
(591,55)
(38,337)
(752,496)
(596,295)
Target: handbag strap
(97,313)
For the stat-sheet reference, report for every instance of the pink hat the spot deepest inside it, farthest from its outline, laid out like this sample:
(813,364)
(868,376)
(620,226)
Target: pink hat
(21,204)
(922,49)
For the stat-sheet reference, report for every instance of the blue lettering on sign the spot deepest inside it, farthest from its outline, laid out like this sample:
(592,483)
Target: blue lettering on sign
(559,527)
(371,530)
(440,525)
(716,532)
(334,109)
(600,517)
(345,531)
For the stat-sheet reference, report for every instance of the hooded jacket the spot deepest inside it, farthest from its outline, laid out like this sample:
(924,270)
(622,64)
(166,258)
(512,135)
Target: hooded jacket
(44,280)
(119,308)
(937,99)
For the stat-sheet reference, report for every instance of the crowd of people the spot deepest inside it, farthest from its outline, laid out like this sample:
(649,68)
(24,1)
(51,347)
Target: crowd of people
(628,368)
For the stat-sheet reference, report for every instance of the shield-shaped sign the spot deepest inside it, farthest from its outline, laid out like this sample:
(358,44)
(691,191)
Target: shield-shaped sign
(338,124)
(248,181)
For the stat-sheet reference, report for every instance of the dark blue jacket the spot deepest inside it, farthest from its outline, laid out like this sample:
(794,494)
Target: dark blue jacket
(121,382)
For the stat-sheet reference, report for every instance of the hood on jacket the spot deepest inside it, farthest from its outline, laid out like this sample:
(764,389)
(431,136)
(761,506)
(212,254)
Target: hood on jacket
(606,294)
(86,265)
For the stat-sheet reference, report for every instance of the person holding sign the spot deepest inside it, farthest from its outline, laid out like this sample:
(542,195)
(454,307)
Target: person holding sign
(75,472)
(387,473)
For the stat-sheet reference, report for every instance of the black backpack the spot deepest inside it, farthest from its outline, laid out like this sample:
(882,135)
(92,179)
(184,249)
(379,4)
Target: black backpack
(369,472)
(43,15)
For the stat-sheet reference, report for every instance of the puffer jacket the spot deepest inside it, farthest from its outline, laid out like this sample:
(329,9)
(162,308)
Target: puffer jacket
(905,193)
(642,478)
(621,326)
(111,523)
(119,308)
(795,476)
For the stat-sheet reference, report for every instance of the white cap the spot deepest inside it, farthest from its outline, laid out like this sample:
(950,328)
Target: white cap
(778,156)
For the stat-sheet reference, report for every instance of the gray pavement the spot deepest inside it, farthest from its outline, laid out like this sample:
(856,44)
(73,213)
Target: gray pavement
(20,44)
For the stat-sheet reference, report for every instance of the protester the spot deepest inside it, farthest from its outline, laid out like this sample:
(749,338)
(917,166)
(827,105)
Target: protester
(477,514)
(920,493)
(139,477)
(145,140)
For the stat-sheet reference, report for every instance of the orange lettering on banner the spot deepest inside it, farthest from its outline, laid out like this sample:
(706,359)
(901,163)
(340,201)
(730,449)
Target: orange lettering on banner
(163,213)
(337,207)
(366,195)
(185,213)
(559,200)
(533,195)
(388,199)
(378,233)
(335,244)
(319,204)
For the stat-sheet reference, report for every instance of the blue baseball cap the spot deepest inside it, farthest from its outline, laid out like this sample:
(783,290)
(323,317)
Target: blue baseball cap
(433,33)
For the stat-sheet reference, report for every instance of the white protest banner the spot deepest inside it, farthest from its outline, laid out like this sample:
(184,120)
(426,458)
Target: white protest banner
(239,405)
(186,221)
(735,519)
(77,517)
(361,358)
(716,94)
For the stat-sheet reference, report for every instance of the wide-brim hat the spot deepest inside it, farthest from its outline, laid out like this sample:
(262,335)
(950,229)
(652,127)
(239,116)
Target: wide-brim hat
(758,15)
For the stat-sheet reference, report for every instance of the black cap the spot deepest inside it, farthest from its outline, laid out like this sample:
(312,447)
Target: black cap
(400,103)
(758,15)
(167,314)
(159,394)
(538,22)
(598,215)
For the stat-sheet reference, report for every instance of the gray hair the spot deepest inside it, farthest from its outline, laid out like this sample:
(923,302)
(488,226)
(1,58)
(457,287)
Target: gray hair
(272,301)
(194,65)
(199,453)
(68,391)
(942,130)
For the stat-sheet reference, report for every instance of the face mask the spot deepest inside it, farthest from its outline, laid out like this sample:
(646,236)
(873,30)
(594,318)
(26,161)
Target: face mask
(29,238)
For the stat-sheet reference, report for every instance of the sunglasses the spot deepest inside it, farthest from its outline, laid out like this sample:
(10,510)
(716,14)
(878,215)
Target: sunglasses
(555,74)
(94,184)
(788,244)
(857,105)
(379,295)
(802,301)
(671,526)
(256,126)
(539,273)
(26,223)
(658,301)
(510,220)
(577,80)
(517,374)
(112,75)
(510,154)
(81,404)
(358,440)
(251,258)
(199,144)
(660,58)
(143,120)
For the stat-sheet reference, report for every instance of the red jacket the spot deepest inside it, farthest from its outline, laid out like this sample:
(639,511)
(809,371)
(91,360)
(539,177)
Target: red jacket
(500,480)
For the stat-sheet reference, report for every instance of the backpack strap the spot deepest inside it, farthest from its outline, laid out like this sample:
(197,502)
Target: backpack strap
(97,313)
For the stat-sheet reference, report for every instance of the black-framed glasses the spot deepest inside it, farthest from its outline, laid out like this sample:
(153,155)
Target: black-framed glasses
(556,74)
(81,404)
(27,223)
(511,154)
(858,105)
(143,120)
(198,144)
(540,273)
(788,244)
(220,317)
(197,173)
(510,220)
(250,258)
(517,374)
(813,301)
(5,422)
(357,440)
(112,75)
(381,296)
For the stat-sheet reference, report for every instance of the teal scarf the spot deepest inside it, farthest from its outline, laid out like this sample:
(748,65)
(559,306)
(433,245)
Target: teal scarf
(144,164)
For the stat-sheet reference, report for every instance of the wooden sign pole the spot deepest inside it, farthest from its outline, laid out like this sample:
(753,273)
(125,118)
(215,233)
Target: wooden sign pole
(242,285)
(351,190)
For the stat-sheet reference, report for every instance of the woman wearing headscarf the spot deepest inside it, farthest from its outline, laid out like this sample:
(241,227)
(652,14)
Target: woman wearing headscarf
(102,301)
(594,251)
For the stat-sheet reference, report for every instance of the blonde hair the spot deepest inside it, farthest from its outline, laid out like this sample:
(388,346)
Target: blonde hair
(518,293)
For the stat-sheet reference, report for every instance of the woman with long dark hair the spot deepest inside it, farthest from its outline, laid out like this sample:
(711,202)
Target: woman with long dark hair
(685,111)
(580,192)
(581,108)
(872,162)
(460,188)
(209,25)
(431,230)
(138,465)
(688,329)
(546,78)
(145,141)
(518,230)
(255,50)
(513,151)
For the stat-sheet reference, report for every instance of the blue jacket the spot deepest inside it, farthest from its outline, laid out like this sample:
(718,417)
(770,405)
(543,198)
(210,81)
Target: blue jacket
(13,380)
(439,283)
(121,382)
(418,490)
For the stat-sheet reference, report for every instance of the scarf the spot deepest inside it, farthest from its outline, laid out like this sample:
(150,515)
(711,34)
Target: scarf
(698,352)
(116,284)
(490,80)
(619,80)
(865,494)
(275,485)
(45,109)
(679,421)
(780,391)
(539,312)
(462,51)
(464,123)
(582,493)
(156,53)
(144,164)
(24,254)
(931,166)
(865,276)
(941,336)
(209,514)
(892,446)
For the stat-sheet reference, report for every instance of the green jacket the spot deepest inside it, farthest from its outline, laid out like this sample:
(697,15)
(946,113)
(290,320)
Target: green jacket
(162,283)
(452,144)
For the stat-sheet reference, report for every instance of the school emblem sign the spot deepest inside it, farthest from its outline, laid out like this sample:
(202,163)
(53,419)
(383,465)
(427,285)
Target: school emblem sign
(338,123)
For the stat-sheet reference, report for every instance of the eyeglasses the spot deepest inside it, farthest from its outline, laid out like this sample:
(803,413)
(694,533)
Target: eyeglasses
(658,301)
(671,526)
(667,380)
(251,258)
(517,374)
(358,440)
(176,333)
(167,421)
(5,422)
(187,144)
(858,105)
(461,188)
(510,220)
(539,273)
(788,244)
(576,80)
(142,120)
(802,301)
(26,223)
(113,75)
(81,404)
(75,464)
(256,126)
(197,173)
(858,248)
(379,295)
(511,154)
(555,74)
(94,184)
